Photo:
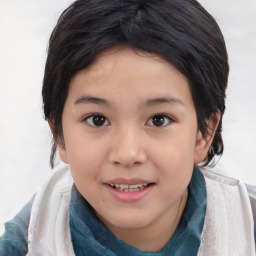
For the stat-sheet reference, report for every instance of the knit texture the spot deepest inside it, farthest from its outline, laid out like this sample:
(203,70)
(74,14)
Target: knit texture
(228,228)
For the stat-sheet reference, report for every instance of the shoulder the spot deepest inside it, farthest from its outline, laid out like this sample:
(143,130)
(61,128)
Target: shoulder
(231,184)
(15,239)
(252,195)
(251,189)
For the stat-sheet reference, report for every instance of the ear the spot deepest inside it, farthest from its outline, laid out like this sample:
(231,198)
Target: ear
(203,143)
(60,144)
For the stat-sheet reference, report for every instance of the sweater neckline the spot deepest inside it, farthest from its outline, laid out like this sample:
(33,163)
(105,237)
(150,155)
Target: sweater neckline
(90,236)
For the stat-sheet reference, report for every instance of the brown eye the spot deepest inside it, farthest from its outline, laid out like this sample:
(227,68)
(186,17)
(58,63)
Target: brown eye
(159,120)
(97,120)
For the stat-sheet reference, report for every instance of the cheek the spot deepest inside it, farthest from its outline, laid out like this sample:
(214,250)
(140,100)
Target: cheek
(85,164)
(176,152)
(174,160)
(175,168)
(85,156)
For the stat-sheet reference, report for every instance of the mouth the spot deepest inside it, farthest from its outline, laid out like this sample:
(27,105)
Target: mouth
(130,188)
(129,191)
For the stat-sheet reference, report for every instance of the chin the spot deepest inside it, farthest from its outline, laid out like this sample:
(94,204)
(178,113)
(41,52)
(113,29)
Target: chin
(129,221)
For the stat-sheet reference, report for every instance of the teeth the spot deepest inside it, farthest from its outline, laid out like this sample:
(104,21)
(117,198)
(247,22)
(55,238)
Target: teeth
(129,188)
(124,187)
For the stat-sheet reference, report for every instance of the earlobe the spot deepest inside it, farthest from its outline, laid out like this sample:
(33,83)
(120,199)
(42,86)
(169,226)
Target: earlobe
(203,142)
(60,145)
(63,154)
(201,148)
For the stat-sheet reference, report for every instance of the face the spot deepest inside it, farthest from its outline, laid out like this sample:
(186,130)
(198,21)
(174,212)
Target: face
(131,137)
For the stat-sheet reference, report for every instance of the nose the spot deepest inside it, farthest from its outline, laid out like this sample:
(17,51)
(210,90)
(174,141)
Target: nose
(127,148)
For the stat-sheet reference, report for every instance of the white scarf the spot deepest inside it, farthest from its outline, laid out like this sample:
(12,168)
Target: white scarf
(229,227)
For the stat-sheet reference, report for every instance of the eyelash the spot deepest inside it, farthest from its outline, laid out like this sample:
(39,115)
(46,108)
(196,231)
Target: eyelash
(89,120)
(165,119)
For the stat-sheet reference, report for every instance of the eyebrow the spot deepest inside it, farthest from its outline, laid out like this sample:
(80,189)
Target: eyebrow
(162,100)
(149,102)
(94,100)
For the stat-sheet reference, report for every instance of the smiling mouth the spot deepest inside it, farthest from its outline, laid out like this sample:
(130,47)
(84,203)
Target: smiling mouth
(130,188)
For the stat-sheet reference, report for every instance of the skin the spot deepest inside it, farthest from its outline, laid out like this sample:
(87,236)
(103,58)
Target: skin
(131,88)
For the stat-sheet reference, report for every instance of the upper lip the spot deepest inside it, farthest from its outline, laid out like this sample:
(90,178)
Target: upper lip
(126,181)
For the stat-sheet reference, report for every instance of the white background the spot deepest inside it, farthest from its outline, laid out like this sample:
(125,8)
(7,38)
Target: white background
(25,27)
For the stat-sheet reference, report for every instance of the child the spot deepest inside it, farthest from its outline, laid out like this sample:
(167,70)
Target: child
(134,93)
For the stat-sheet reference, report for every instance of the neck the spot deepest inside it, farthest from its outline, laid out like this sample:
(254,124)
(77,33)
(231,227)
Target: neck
(156,235)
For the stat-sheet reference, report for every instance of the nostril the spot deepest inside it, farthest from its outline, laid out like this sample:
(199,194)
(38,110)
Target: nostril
(127,155)
(137,163)
(117,163)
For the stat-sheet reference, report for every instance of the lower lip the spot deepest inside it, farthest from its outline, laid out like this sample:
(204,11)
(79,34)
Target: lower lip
(129,197)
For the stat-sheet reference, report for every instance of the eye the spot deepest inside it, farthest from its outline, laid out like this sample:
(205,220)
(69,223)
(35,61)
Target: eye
(159,120)
(96,120)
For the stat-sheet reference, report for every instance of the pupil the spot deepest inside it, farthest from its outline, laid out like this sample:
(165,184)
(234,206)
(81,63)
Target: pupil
(98,120)
(158,120)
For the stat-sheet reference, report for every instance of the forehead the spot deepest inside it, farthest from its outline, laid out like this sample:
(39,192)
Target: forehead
(135,62)
(138,74)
